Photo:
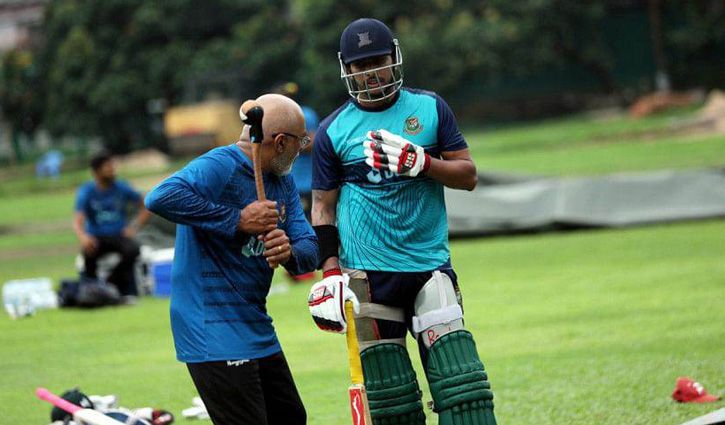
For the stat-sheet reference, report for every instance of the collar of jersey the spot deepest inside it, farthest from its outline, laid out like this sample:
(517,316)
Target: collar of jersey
(108,189)
(247,162)
(378,108)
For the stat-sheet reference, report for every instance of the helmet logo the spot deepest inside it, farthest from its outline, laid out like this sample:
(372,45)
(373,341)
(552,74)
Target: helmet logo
(412,126)
(363,39)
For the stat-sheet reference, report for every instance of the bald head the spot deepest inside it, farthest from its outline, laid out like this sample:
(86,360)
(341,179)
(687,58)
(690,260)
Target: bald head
(281,115)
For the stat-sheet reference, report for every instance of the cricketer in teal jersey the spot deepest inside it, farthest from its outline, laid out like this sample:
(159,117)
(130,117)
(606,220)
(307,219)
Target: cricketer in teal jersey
(381,162)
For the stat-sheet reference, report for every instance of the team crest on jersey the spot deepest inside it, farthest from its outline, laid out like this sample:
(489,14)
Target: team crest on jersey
(412,126)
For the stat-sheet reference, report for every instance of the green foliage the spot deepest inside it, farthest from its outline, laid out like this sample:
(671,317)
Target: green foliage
(106,59)
(694,40)
(439,41)
(446,43)
(21,90)
(267,45)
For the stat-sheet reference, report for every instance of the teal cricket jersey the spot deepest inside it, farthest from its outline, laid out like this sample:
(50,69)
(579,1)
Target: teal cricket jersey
(387,222)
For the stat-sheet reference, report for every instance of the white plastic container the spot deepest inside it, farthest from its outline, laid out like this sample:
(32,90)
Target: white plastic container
(23,296)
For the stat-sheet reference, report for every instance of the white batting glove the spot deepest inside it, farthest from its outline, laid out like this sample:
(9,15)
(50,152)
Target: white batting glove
(327,301)
(389,152)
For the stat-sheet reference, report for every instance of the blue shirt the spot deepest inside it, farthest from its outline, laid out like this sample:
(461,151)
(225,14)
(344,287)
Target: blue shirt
(219,277)
(387,222)
(105,209)
(302,168)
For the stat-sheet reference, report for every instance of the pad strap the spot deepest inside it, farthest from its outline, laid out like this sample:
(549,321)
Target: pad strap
(367,344)
(328,242)
(379,311)
(441,316)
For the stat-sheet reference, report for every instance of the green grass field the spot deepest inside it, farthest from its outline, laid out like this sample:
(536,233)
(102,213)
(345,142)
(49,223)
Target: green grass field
(582,327)
(582,145)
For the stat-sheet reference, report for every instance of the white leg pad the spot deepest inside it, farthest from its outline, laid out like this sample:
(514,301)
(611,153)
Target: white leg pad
(437,311)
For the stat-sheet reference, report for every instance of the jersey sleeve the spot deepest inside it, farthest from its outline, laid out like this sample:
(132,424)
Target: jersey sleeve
(327,166)
(188,197)
(302,237)
(81,199)
(449,135)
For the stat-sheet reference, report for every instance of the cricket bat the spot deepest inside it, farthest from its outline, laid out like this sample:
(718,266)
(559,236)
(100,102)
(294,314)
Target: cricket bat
(80,415)
(358,396)
(251,114)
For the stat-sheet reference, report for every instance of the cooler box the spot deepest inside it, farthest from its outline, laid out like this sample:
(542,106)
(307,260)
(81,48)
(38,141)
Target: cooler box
(160,262)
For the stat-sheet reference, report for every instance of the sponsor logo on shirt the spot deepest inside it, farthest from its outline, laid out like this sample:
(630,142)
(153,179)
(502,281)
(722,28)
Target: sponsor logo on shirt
(375,176)
(108,211)
(253,248)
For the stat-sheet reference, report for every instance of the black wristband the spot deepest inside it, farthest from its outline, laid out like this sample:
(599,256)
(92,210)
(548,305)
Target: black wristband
(328,242)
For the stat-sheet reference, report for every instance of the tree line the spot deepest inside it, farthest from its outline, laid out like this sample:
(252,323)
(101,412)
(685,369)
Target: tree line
(101,62)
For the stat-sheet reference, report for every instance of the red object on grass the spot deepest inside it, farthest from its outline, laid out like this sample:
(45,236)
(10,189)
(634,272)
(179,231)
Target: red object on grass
(689,391)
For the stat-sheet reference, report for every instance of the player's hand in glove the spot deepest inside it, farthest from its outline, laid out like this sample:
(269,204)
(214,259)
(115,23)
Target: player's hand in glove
(386,151)
(327,301)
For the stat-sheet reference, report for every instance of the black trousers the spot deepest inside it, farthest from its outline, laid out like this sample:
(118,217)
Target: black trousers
(122,276)
(249,392)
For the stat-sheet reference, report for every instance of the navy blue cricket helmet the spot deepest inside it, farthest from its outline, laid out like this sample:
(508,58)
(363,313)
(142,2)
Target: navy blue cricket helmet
(367,38)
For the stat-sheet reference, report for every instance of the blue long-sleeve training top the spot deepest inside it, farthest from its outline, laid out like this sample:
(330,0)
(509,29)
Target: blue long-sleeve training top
(220,278)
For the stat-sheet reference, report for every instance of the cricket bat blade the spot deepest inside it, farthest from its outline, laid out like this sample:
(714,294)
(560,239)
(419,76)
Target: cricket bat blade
(359,405)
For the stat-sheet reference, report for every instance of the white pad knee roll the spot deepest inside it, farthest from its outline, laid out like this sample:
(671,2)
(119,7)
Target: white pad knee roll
(437,311)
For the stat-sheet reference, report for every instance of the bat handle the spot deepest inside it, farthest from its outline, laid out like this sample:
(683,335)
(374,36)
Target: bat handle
(258,181)
(353,351)
(64,404)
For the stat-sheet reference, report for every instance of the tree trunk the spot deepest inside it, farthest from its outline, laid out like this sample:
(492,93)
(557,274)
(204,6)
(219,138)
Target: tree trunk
(662,79)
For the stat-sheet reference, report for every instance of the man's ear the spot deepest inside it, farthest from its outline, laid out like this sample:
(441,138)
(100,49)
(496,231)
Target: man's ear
(279,143)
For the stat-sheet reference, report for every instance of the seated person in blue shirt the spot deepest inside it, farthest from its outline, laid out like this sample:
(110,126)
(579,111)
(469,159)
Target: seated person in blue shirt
(227,246)
(102,223)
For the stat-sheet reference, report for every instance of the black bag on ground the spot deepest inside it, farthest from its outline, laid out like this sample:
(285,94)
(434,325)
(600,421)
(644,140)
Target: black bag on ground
(68,292)
(97,293)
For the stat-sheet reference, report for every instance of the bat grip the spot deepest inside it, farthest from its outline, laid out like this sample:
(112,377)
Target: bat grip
(64,404)
(353,351)
(258,181)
